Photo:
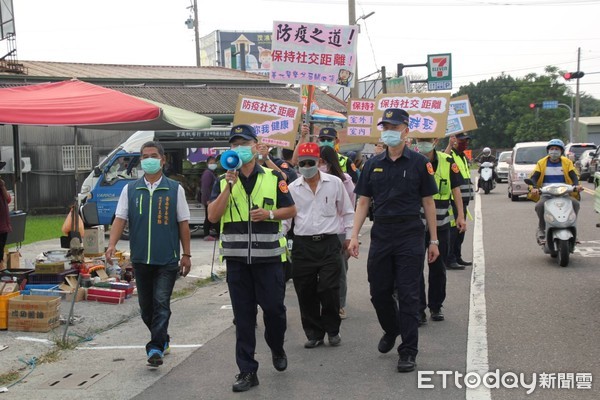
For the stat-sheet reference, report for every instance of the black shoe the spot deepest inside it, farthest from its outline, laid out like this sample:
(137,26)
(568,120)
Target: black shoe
(460,261)
(437,315)
(280,361)
(244,381)
(312,343)
(386,343)
(454,265)
(422,318)
(406,363)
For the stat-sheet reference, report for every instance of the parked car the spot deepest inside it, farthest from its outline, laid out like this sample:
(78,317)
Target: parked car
(575,150)
(594,165)
(524,157)
(502,166)
(583,164)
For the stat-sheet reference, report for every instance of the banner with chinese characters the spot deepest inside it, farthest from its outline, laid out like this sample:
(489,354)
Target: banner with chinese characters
(313,54)
(275,121)
(460,116)
(360,122)
(428,112)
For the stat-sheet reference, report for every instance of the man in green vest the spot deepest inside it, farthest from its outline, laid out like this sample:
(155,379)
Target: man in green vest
(251,203)
(448,179)
(158,215)
(456,148)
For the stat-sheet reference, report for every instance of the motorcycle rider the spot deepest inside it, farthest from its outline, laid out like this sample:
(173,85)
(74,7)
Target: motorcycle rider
(554,168)
(486,156)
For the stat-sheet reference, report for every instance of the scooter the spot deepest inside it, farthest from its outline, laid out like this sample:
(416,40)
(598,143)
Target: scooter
(486,177)
(560,235)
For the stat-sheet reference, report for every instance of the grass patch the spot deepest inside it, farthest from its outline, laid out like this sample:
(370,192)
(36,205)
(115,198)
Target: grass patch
(9,377)
(186,291)
(43,227)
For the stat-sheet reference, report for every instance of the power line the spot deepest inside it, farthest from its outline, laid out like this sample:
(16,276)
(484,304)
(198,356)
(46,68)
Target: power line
(399,3)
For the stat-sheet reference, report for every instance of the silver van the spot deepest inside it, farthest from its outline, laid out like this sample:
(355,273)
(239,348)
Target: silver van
(524,157)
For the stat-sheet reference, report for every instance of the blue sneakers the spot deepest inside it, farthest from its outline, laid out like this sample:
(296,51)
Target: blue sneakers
(155,358)
(167,349)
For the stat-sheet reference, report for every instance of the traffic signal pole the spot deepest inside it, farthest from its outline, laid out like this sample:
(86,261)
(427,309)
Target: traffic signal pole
(576,134)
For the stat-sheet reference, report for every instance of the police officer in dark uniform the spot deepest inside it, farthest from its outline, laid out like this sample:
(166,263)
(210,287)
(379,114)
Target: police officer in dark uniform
(400,181)
(328,137)
(285,164)
(251,204)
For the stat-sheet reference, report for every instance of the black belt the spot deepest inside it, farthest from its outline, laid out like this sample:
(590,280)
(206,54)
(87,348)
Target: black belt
(315,238)
(395,219)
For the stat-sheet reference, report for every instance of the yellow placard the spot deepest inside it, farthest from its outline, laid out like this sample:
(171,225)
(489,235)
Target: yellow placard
(275,121)
(460,116)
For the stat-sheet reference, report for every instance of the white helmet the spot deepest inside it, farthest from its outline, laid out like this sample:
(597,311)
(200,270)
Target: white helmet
(487,151)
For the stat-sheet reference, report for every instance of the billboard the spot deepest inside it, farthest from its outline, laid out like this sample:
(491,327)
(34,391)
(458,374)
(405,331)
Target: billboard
(222,48)
(7,19)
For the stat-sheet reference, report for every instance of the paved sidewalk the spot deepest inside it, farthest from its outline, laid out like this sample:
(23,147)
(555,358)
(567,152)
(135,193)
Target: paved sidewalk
(94,317)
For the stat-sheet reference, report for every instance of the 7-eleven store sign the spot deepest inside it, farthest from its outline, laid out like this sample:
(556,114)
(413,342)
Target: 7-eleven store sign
(439,71)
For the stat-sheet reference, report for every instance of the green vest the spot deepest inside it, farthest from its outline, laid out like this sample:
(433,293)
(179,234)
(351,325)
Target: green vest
(442,197)
(466,189)
(343,162)
(246,241)
(153,226)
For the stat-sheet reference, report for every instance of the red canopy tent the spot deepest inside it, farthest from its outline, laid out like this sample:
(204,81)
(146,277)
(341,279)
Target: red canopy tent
(84,105)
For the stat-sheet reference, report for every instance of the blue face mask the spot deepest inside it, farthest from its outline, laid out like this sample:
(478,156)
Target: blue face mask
(423,147)
(151,165)
(326,144)
(391,138)
(245,153)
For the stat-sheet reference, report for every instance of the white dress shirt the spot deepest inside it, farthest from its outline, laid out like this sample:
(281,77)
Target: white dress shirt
(183,210)
(321,212)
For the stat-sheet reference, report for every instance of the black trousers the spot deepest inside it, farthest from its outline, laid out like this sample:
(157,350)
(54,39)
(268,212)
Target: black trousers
(456,238)
(251,285)
(396,261)
(316,275)
(436,292)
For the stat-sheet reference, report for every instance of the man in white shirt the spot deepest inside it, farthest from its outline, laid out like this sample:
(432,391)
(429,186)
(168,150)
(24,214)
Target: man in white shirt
(321,202)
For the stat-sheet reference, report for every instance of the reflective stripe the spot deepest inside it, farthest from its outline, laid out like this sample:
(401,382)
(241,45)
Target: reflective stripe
(260,237)
(226,252)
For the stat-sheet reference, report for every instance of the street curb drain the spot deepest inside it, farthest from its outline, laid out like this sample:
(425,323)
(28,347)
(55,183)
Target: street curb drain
(74,380)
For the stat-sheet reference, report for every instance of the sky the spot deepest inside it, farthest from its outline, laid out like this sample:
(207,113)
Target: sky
(485,37)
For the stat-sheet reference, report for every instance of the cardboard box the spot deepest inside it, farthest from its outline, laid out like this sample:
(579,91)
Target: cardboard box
(124,286)
(33,313)
(12,260)
(105,295)
(51,267)
(67,289)
(93,240)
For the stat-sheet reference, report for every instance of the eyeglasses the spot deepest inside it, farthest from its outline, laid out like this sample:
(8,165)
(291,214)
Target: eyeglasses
(325,139)
(307,163)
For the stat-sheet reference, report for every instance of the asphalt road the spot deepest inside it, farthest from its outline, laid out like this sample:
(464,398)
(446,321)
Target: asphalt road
(515,312)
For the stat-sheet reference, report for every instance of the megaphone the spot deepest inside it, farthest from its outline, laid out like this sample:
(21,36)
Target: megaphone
(230,160)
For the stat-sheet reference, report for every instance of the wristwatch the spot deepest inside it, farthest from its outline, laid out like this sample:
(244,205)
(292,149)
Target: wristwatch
(271,215)
(436,242)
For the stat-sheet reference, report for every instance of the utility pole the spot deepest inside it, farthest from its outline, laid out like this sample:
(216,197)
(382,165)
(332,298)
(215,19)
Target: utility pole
(354,93)
(196,33)
(577,97)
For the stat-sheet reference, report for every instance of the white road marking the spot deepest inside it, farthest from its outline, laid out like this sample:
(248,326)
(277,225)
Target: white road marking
(32,339)
(477,347)
(173,346)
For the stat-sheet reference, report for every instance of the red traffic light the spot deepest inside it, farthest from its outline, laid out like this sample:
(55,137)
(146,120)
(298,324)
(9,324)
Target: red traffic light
(535,105)
(573,75)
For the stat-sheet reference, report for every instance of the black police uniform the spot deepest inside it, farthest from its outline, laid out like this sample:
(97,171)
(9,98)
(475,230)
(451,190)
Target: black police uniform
(436,292)
(243,279)
(287,168)
(396,254)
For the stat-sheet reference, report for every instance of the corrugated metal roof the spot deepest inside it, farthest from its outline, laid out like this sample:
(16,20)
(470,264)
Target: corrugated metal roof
(82,71)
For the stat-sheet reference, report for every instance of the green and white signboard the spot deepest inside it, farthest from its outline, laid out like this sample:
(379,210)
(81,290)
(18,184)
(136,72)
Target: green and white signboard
(439,72)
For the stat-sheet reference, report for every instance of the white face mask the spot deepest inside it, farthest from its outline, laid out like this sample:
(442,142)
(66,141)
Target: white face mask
(554,154)
(324,168)
(212,167)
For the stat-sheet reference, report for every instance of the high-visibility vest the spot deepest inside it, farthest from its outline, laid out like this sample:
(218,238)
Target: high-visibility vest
(442,197)
(247,241)
(343,162)
(466,189)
